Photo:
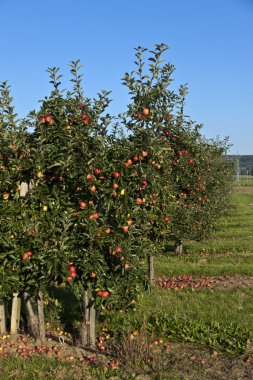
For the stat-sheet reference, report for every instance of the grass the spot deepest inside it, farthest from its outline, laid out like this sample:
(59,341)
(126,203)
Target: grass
(245,180)
(230,252)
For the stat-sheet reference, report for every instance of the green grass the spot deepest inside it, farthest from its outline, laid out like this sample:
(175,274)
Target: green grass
(245,180)
(38,368)
(229,252)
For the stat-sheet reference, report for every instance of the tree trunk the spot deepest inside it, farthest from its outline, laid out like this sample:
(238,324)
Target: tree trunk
(151,271)
(2,319)
(179,250)
(41,321)
(88,326)
(84,330)
(92,325)
(32,319)
(15,314)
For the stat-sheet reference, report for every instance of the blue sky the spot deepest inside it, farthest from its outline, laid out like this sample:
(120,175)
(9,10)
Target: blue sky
(211,46)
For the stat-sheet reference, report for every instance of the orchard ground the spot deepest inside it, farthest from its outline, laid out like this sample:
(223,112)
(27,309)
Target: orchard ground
(196,323)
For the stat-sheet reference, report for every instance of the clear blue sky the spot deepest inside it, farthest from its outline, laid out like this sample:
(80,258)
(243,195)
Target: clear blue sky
(211,46)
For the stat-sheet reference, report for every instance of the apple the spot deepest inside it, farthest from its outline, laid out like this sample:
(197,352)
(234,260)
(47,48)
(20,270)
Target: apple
(115,186)
(190,161)
(93,275)
(125,229)
(100,293)
(118,249)
(97,170)
(116,174)
(42,120)
(166,219)
(82,205)
(6,196)
(45,208)
(139,201)
(68,279)
(105,294)
(48,119)
(72,268)
(138,115)
(93,189)
(144,153)
(39,175)
(89,177)
(146,112)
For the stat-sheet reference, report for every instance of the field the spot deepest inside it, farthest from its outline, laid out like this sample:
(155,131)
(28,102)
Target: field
(196,323)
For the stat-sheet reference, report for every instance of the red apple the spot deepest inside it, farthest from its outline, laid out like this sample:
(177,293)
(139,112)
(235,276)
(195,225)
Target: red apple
(116,174)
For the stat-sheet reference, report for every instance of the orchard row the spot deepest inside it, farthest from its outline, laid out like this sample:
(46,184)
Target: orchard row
(85,196)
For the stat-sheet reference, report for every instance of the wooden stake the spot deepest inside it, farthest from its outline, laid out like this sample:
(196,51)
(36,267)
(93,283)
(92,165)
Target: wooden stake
(15,314)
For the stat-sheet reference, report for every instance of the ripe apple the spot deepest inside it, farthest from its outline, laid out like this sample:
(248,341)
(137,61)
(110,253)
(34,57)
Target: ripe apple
(190,161)
(72,268)
(42,120)
(139,201)
(125,229)
(93,275)
(6,196)
(166,219)
(118,249)
(93,189)
(97,170)
(105,294)
(39,175)
(82,205)
(116,174)
(45,208)
(100,293)
(144,153)
(68,279)
(146,112)
(138,115)
(89,177)
(48,119)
